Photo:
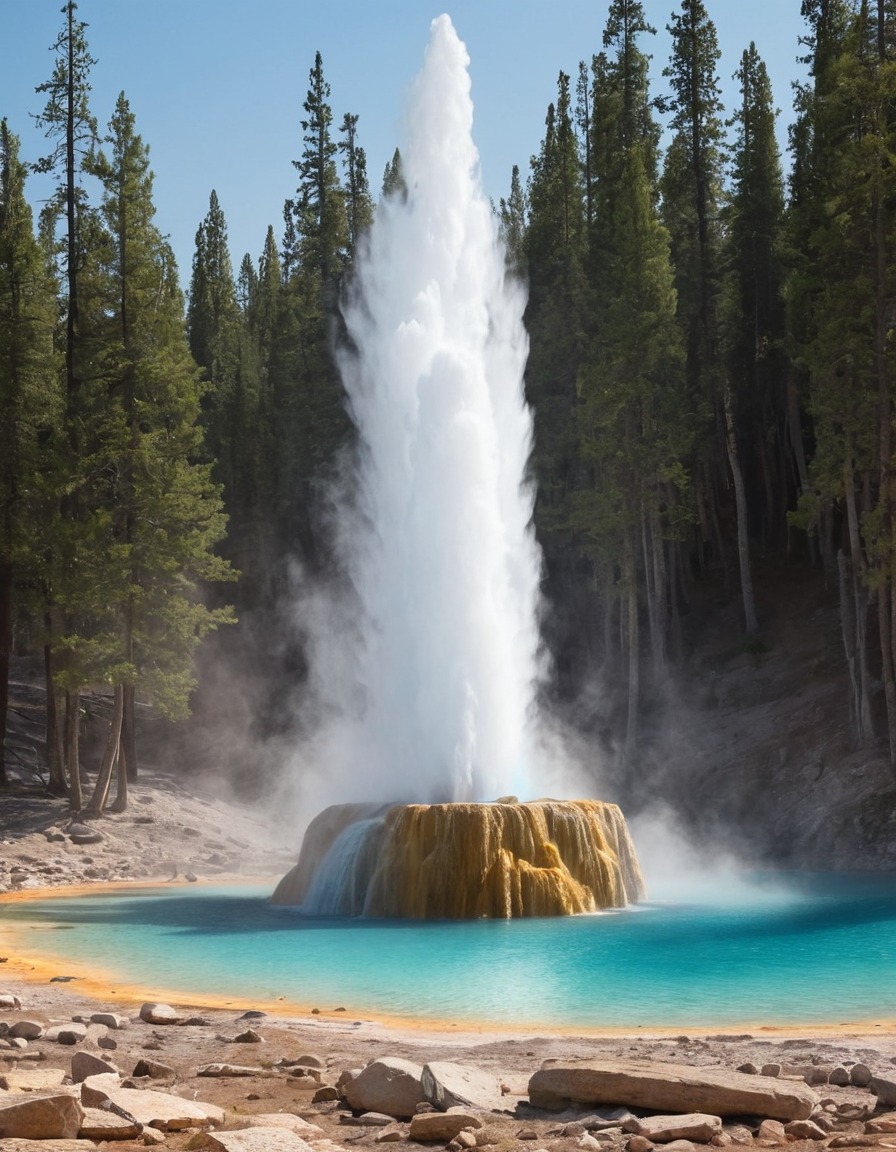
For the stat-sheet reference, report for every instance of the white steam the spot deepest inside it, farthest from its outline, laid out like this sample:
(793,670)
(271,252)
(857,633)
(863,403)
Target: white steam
(432,677)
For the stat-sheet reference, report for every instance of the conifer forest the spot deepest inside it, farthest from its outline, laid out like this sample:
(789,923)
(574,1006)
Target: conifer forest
(712,376)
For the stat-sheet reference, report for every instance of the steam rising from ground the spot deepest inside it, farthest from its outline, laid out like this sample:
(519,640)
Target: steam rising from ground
(430,678)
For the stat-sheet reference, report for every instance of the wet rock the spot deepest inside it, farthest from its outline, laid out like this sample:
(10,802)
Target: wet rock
(432,1126)
(448,1085)
(390,1085)
(56,1117)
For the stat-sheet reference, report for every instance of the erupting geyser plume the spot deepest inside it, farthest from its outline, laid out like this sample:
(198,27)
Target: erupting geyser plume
(441,675)
(434,682)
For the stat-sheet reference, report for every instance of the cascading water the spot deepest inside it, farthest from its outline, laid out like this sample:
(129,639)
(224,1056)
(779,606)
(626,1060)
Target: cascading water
(438,679)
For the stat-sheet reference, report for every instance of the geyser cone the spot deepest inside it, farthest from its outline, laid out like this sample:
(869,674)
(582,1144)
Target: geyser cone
(466,861)
(434,678)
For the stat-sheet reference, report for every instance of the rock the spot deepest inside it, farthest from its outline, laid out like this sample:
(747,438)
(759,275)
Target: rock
(280,1120)
(723,1139)
(448,1085)
(432,1126)
(880,1124)
(82,834)
(66,1033)
(327,1092)
(588,1142)
(153,1136)
(389,1136)
(154,1070)
(110,1019)
(805,1130)
(32,1079)
(389,1085)
(839,1077)
(663,1087)
(680,1146)
(772,1131)
(153,1013)
(773,1070)
(748,1069)
(107,1043)
(860,1075)
(884,1090)
(638,1144)
(8,1001)
(687,1126)
(85,1064)
(309,1060)
(230,1070)
(13,1145)
(27,1030)
(149,1108)
(250,1036)
(256,1140)
(56,1117)
(102,1124)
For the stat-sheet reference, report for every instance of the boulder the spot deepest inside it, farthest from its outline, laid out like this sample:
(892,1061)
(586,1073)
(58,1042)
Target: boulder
(389,1085)
(884,1090)
(86,1064)
(153,1013)
(805,1130)
(66,1033)
(149,1108)
(447,1085)
(256,1140)
(26,1030)
(110,1019)
(880,1124)
(250,1036)
(280,1120)
(230,1070)
(441,1126)
(83,834)
(772,1131)
(860,1075)
(9,1001)
(154,1070)
(697,1126)
(32,1079)
(661,1087)
(28,1117)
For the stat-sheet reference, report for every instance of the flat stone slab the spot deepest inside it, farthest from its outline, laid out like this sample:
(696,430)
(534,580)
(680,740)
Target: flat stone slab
(448,1085)
(13,1144)
(281,1120)
(149,1108)
(32,1079)
(56,1117)
(441,1126)
(98,1124)
(661,1087)
(231,1070)
(257,1140)
(697,1126)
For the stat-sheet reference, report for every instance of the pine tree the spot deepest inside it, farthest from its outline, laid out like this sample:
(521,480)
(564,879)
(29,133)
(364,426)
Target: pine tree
(359,205)
(512,214)
(30,402)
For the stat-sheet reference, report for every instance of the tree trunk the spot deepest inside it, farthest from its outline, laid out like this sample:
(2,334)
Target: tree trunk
(632,638)
(129,732)
(72,754)
(751,623)
(5,654)
(100,795)
(864,723)
(55,751)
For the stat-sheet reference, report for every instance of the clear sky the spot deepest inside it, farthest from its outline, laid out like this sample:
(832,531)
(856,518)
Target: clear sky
(217,86)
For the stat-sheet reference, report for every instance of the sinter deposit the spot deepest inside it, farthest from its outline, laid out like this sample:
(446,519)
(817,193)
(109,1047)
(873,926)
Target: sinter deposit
(465,861)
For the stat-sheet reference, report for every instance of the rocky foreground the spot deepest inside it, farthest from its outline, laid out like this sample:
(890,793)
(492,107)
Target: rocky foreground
(247,1082)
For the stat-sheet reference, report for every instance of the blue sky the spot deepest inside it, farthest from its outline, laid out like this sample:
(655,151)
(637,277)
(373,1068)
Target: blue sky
(217,85)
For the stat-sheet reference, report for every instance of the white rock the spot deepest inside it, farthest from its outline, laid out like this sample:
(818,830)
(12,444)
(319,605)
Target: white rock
(153,1013)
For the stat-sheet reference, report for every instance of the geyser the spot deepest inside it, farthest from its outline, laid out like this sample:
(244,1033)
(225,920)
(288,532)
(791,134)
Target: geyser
(465,861)
(428,672)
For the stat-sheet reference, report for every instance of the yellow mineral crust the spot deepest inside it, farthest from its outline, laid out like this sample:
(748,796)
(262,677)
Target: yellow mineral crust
(465,861)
